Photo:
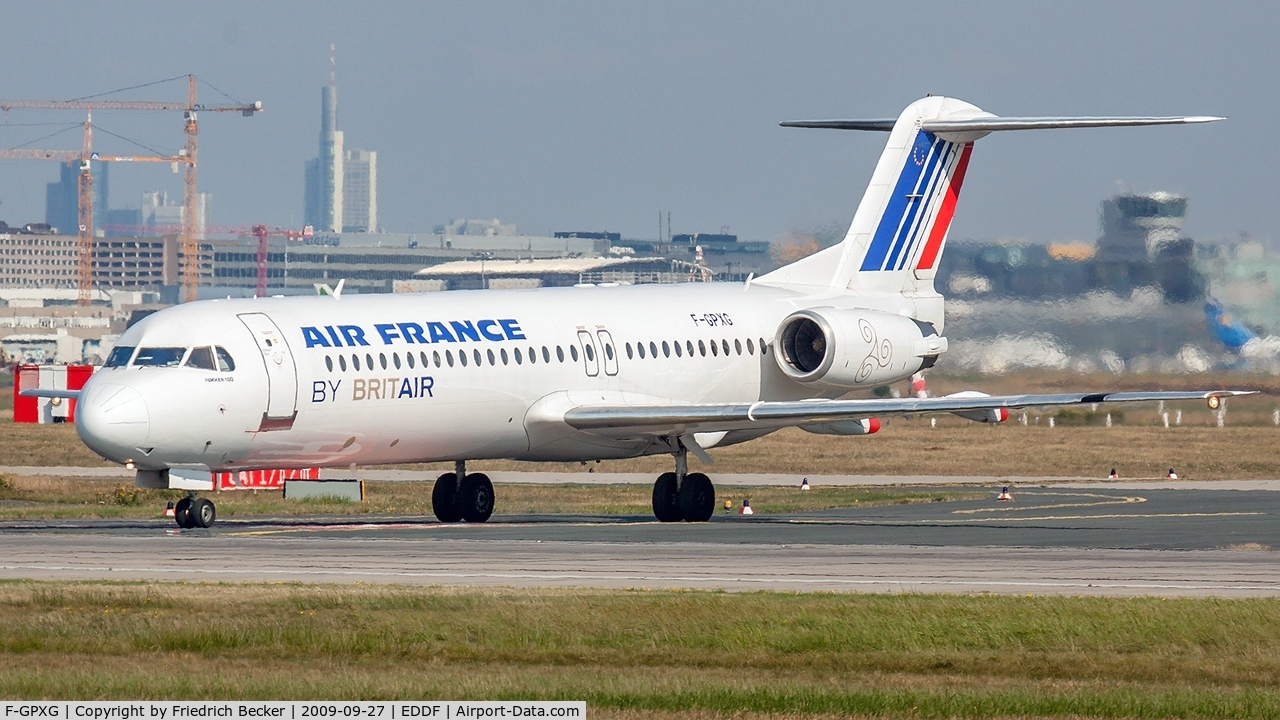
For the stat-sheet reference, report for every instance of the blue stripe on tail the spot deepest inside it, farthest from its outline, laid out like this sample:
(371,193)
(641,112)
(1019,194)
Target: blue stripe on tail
(919,200)
(902,225)
(891,220)
(926,214)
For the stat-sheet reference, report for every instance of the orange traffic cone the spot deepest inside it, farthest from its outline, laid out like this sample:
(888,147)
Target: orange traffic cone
(804,484)
(1004,494)
(1113,475)
(168,511)
(746,508)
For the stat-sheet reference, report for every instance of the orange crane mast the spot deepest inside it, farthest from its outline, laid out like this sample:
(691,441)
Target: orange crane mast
(190,111)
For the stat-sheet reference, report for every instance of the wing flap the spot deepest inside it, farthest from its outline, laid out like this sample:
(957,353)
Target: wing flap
(661,420)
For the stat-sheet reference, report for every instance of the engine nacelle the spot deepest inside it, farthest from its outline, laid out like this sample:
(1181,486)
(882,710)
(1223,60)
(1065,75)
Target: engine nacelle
(854,348)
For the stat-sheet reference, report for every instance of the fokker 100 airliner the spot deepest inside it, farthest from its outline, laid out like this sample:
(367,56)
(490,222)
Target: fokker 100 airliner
(570,374)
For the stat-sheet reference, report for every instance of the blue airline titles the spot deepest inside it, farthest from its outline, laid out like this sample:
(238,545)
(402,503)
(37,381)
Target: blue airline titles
(414,333)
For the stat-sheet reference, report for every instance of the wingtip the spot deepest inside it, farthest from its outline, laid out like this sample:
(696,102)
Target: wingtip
(1203,119)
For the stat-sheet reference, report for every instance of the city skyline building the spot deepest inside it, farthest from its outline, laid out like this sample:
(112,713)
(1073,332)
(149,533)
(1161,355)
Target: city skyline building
(341,186)
(62,198)
(360,191)
(160,215)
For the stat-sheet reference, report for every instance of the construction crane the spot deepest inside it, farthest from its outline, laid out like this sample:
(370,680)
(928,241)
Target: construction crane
(190,111)
(85,194)
(261,232)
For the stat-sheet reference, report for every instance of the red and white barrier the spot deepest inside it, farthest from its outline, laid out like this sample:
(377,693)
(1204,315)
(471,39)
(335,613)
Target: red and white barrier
(272,479)
(47,377)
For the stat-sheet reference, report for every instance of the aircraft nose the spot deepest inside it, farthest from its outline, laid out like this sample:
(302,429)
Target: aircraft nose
(113,421)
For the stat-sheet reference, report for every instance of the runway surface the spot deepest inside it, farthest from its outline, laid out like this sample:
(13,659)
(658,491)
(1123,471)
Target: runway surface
(1073,540)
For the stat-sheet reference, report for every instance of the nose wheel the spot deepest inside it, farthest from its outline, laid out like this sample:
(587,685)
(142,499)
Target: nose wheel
(194,512)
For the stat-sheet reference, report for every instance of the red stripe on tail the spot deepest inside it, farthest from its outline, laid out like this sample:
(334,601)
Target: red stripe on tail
(948,210)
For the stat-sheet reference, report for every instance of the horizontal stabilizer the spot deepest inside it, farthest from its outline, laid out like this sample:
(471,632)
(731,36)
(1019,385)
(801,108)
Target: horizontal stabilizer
(992,123)
(874,125)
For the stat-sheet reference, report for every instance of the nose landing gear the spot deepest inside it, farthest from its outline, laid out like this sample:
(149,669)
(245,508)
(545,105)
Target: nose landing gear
(194,512)
(682,495)
(459,496)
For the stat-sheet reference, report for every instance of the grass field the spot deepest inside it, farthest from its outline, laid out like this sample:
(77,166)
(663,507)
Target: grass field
(637,653)
(62,498)
(1137,445)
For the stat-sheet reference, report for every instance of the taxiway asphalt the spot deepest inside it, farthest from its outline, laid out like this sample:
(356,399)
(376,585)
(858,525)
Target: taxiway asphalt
(1093,539)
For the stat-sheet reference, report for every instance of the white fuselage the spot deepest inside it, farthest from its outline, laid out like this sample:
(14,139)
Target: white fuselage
(469,375)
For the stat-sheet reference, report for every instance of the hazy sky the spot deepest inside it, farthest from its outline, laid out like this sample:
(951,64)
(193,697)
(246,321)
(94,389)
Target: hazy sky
(595,116)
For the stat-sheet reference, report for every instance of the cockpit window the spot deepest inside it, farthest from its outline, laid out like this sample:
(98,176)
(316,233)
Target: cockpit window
(119,356)
(225,363)
(159,357)
(201,357)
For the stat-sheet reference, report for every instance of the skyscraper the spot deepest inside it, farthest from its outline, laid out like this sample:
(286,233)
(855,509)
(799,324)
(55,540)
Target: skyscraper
(328,180)
(360,191)
(62,198)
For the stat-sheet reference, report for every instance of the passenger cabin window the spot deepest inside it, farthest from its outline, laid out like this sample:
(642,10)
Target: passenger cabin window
(225,363)
(201,357)
(119,356)
(159,357)
(328,362)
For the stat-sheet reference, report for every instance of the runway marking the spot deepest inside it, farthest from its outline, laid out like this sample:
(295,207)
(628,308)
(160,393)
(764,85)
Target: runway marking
(450,527)
(946,521)
(1100,517)
(977,582)
(1107,500)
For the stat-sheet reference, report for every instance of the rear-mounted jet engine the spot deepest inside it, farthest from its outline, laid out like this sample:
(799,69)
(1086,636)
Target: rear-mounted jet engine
(835,348)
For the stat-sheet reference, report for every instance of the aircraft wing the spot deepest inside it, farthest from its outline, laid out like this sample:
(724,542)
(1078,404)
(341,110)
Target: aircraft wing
(50,393)
(639,420)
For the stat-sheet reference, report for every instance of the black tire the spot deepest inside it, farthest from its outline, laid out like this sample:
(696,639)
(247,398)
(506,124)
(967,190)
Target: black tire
(475,498)
(697,498)
(203,513)
(442,498)
(182,514)
(665,507)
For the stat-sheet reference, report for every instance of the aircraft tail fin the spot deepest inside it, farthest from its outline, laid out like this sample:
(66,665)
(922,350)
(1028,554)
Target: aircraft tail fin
(900,228)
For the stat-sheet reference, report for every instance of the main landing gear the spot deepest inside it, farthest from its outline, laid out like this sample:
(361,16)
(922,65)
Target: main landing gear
(194,512)
(682,495)
(459,496)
